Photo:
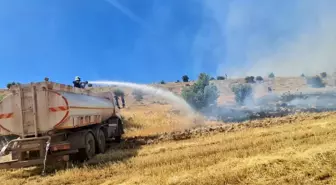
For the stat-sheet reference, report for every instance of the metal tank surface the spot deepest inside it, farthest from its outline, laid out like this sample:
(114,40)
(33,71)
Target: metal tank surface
(37,108)
(56,123)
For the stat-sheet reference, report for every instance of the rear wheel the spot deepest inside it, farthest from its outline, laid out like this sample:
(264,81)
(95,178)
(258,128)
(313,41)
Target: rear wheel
(101,140)
(90,149)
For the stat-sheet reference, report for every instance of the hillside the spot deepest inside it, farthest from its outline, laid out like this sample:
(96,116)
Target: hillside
(279,84)
(297,149)
(163,146)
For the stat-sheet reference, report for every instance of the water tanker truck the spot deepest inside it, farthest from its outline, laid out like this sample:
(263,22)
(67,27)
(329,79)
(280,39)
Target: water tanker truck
(56,121)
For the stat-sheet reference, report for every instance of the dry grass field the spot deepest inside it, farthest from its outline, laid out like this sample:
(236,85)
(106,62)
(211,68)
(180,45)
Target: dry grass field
(297,149)
(162,146)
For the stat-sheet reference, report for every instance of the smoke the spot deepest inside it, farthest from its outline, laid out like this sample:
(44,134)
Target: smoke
(288,37)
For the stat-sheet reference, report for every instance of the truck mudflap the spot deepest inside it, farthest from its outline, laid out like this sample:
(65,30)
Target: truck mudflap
(33,152)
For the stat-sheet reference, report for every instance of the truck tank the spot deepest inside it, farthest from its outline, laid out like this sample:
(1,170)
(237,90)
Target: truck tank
(37,108)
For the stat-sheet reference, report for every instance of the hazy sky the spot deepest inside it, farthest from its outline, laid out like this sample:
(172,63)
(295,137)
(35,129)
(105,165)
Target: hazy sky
(152,40)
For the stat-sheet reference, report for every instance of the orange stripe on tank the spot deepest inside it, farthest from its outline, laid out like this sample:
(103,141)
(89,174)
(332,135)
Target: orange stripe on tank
(5,116)
(78,107)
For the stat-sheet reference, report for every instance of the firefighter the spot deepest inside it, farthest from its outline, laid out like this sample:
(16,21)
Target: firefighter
(77,83)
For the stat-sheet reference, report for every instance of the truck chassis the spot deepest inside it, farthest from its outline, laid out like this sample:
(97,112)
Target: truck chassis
(78,144)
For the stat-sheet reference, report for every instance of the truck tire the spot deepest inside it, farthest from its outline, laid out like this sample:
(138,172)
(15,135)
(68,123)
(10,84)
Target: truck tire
(90,148)
(101,141)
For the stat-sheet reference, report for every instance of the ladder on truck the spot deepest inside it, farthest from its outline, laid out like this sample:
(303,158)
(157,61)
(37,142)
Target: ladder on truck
(28,108)
(29,149)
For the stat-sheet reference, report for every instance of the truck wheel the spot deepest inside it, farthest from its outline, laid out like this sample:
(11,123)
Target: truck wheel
(90,149)
(101,140)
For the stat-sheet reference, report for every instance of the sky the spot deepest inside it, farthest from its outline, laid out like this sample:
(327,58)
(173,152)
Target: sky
(146,41)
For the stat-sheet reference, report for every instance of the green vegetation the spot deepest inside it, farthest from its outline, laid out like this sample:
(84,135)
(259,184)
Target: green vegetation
(271,75)
(249,79)
(10,84)
(220,78)
(323,75)
(201,94)
(185,78)
(138,94)
(259,78)
(242,91)
(315,82)
(119,93)
(162,82)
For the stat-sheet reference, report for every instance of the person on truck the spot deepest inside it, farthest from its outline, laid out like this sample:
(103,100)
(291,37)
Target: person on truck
(77,83)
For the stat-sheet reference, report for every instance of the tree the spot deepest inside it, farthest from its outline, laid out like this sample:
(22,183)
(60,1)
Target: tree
(138,94)
(271,75)
(242,91)
(302,75)
(119,93)
(324,75)
(201,94)
(315,82)
(185,78)
(212,78)
(89,85)
(177,81)
(220,78)
(10,84)
(162,82)
(249,79)
(259,78)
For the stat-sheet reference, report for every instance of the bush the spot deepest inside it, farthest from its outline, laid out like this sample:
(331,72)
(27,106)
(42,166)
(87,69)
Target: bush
(119,92)
(302,75)
(220,78)
(10,84)
(315,82)
(138,94)
(89,85)
(212,78)
(177,81)
(162,82)
(242,91)
(185,78)
(271,75)
(324,75)
(249,79)
(259,78)
(201,94)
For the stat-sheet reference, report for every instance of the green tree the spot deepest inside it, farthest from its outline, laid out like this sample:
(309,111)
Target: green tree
(185,78)
(119,93)
(220,78)
(10,84)
(315,82)
(271,75)
(201,94)
(324,75)
(162,82)
(242,91)
(138,94)
(249,79)
(212,78)
(259,78)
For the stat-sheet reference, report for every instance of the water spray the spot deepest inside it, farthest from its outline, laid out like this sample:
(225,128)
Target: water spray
(152,90)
